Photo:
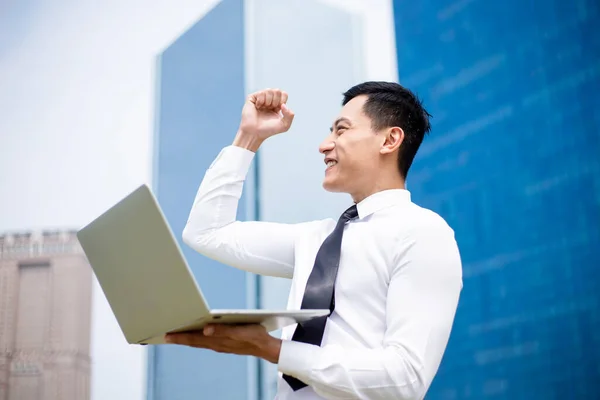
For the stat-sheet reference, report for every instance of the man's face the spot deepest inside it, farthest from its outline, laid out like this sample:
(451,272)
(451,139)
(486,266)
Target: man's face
(352,150)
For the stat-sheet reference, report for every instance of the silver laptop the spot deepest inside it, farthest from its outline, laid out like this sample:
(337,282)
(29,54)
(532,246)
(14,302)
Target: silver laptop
(147,281)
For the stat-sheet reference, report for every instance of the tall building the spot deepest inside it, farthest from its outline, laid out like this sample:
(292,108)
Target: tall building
(513,164)
(45,317)
(203,78)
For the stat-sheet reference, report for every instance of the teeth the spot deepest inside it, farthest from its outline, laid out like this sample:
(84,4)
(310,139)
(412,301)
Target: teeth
(331,163)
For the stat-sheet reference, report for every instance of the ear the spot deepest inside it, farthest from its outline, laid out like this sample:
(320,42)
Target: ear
(393,139)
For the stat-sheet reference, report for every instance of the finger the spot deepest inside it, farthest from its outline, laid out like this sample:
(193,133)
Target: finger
(209,330)
(234,332)
(284,97)
(260,99)
(288,116)
(239,333)
(197,339)
(276,99)
(219,330)
(184,338)
(269,98)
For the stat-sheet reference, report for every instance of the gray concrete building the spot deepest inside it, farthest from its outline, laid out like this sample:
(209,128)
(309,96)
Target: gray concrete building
(45,317)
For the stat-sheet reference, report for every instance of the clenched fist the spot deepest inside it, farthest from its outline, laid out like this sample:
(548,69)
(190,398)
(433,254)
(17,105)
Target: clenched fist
(265,114)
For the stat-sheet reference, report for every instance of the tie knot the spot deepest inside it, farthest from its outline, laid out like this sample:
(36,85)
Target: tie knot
(350,213)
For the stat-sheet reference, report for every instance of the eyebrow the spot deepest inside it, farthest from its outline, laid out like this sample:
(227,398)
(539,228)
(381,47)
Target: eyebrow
(337,121)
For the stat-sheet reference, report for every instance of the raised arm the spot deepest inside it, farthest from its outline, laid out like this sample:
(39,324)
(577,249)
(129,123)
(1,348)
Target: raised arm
(422,298)
(212,229)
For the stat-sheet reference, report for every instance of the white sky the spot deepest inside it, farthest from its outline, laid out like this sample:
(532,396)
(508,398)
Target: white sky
(76,111)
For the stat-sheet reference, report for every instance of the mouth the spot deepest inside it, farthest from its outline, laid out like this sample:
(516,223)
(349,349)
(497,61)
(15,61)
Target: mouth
(330,162)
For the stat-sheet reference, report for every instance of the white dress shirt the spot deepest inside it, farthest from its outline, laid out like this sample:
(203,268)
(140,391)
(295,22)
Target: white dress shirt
(396,291)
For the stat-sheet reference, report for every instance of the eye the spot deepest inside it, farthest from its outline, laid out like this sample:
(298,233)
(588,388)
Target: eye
(340,129)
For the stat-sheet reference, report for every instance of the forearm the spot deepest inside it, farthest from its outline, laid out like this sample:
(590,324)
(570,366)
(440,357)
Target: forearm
(247,141)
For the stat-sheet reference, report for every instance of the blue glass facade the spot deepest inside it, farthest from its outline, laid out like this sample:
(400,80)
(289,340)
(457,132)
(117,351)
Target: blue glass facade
(513,164)
(200,95)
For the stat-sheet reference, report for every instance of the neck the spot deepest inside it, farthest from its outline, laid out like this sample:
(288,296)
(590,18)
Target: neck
(380,185)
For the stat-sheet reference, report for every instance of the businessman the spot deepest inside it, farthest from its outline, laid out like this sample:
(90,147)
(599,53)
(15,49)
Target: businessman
(388,269)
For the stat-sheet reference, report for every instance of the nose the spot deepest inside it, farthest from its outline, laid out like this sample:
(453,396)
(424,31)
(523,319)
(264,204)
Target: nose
(327,145)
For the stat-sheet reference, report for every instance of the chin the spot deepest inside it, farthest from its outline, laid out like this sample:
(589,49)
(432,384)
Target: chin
(331,185)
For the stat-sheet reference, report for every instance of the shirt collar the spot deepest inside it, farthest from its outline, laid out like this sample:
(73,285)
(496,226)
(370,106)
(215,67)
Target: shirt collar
(380,200)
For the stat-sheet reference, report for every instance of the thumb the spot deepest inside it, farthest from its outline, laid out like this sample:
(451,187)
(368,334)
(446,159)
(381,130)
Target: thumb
(288,116)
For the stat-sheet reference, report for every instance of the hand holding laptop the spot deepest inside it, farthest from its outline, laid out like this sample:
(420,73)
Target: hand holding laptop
(248,340)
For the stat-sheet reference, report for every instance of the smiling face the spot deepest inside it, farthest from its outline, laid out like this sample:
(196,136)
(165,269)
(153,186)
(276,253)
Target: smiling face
(354,153)
(374,139)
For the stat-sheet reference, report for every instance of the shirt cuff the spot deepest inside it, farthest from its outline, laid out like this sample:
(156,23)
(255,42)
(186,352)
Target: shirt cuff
(297,359)
(234,158)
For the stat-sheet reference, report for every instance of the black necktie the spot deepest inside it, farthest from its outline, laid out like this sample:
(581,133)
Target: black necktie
(319,292)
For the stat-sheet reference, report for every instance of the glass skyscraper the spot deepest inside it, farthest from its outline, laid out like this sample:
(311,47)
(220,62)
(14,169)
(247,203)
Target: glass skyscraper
(513,164)
(200,89)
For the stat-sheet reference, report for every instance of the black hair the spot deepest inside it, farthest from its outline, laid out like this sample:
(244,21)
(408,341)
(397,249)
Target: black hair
(390,104)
